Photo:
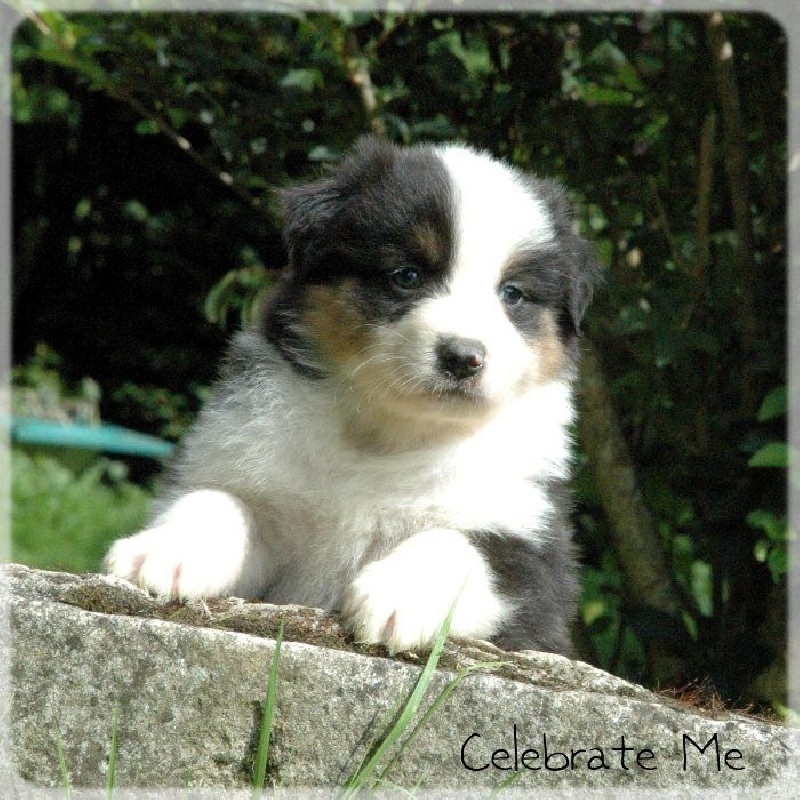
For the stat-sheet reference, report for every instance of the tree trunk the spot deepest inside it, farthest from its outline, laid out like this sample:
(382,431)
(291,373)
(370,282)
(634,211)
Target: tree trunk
(734,142)
(636,543)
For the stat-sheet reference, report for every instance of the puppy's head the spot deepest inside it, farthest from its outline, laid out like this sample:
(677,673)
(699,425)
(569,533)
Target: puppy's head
(431,280)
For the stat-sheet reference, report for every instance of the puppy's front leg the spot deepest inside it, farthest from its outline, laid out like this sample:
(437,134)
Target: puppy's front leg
(402,599)
(204,545)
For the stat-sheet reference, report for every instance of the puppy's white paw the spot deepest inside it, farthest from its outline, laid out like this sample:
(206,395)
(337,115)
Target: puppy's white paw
(403,599)
(202,546)
(170,562)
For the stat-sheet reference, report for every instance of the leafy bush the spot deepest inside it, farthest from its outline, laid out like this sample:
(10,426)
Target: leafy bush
(65,519)
(772,548)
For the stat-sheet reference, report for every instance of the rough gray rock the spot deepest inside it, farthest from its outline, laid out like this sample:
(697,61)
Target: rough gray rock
(189,684)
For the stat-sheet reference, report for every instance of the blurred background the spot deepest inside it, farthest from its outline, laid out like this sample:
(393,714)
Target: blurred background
(145,151)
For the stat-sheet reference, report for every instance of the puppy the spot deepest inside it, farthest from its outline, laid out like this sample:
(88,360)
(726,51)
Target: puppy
(392,437)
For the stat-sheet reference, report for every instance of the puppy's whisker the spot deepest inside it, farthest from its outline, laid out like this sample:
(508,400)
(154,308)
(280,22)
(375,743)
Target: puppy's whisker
(378,358)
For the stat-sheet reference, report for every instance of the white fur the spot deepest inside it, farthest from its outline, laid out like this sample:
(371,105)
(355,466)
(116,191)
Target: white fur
(203,545)
(495,214)
(280,491)
(495,217)
(403,598)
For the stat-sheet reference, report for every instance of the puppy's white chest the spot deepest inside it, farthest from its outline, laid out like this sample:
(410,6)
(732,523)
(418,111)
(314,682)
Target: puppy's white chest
(394,497)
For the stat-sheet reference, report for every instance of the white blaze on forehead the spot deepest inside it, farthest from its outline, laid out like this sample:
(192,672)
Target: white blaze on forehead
(494,215)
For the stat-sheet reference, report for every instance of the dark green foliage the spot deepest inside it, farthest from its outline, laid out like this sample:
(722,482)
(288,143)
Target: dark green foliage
(146,147)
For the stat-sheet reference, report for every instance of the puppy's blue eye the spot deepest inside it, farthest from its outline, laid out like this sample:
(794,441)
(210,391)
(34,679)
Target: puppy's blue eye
(510,294)
(407,278)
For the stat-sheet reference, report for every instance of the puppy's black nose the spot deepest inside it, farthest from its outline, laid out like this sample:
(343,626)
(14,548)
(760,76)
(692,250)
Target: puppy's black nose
(461,358)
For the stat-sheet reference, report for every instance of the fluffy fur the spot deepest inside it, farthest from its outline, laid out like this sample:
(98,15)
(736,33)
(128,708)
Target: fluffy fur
(392,436)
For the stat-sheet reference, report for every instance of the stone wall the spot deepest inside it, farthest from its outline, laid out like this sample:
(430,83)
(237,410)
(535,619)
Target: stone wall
(189,684)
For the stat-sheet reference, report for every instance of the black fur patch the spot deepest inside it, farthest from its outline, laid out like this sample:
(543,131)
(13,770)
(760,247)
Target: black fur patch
(383,209)
(540,579)
(574,259)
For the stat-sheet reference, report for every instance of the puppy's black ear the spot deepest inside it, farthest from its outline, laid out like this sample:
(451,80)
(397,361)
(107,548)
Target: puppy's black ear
(308,212)
(582,270)
(585,274)
(312,211)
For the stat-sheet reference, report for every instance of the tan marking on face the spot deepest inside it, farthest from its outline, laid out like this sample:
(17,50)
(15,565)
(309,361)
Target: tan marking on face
(332,316)
(549,349)
(428,244)
(515,262)
(380,415)
(387,410)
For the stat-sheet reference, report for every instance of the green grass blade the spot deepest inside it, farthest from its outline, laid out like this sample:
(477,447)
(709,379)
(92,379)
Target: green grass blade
(507,781)
(111,777)
(62,764)
(438,702)
(370,748)
(260,767)
(359,778)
